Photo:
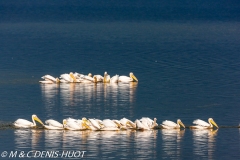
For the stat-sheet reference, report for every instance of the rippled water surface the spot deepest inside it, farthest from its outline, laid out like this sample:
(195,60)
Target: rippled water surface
(186,59)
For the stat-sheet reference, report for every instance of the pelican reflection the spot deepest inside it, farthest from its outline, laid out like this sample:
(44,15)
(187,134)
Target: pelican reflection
(172,141)
(146,144)
(204,142)
(28,138)
(74,97)
(53,138)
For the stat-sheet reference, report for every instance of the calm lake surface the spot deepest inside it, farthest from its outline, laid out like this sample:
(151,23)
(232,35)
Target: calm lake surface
(184,54)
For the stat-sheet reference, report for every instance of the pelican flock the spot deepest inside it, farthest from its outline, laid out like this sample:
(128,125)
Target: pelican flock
(145,123)
(80,78)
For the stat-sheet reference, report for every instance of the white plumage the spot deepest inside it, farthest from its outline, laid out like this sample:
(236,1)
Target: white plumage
(126,79)
(200,124)
(53,124)
(23,123)
(172,125)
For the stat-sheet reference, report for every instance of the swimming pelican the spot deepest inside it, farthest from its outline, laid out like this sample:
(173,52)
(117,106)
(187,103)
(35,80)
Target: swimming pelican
(88,78)
(73,77)
(94,124)
(109,125)
(75,124)
(52,124)
(126,79)
(126,123)
(22,123)
(119,124)
(172,125)
(49,79)
(151,124)
(65,78)
(98,78)
(69,78)
(114,79)
(106,78)
(200,124)
(140,125)
(78,75)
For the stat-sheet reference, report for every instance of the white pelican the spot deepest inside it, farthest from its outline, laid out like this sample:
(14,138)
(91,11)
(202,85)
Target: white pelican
(114,79)
(88,78)
(126,123)
(94,124)
(73,77)
(126,79)
(151,124)
(172,125)
(200,124)
(119,124)
(73,124)
(52,124)
(109,125)
(98,78)
(69,78)
(140,125)
(22,123)
(106,78)
(65,78)
(49,79)
(78,75)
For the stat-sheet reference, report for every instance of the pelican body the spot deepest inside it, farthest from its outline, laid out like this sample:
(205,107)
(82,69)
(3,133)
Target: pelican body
(106,78)
(109,125)
(75,124)
(172,125)
(23,123)
(49,79)
(52,124)
(114,79)
(127,79)
(200,124)
(149,122)
(127,124)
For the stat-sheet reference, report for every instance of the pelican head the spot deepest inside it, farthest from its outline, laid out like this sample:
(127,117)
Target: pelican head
(64,123)
(94,79)
(35,118)
(106,77)
(72,76)
(179,122)
(133,77)
(57,80)
(84,123)
(89,74)
(211,121)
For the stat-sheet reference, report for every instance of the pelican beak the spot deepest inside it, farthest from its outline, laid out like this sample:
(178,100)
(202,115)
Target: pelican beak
(38,120)
(119,125)
(85,125)
(182,124)
(72,76)
(135,78)
(214,123)
(57,80)
(64,123)
(131,124)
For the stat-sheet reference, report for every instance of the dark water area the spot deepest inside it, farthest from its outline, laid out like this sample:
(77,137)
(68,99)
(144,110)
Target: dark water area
(125,10)
(184,54)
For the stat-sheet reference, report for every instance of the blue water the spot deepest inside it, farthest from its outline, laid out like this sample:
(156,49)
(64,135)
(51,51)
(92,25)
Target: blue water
(184,54)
